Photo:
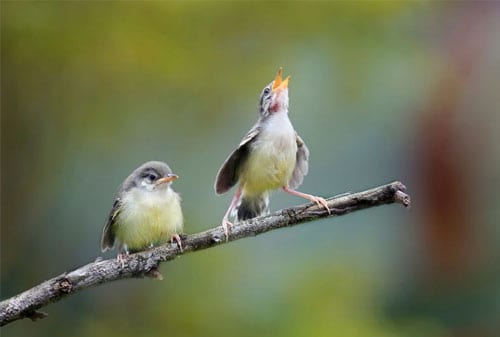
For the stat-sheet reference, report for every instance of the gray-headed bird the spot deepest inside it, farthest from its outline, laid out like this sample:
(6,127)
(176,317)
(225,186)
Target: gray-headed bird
(271,155)
(146,211)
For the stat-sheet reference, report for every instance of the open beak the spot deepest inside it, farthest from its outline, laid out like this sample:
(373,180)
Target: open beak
(279,83)
(169,178)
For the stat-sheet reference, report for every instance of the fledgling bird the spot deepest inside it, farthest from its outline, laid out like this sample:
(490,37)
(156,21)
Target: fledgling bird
(146,211)
(271,155)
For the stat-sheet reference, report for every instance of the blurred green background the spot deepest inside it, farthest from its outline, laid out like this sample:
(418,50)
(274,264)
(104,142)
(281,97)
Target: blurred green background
(380,91)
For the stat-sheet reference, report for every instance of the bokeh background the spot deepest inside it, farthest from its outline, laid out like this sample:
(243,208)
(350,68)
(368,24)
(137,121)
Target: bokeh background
(380,91)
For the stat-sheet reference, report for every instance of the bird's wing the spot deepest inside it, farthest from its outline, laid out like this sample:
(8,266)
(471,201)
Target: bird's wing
(108,235)
(227,176)
(301,164)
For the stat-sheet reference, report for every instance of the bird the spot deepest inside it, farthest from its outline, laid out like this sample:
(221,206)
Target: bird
(146,211)
(270,156)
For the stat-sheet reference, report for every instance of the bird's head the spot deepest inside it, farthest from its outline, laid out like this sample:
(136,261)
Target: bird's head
(274,97)
(152,176)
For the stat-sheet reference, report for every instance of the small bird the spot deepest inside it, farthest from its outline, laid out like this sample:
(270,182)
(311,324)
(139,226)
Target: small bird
(271,155)
(146,211)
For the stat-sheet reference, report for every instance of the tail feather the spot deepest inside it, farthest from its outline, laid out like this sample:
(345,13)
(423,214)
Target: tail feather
(252,206)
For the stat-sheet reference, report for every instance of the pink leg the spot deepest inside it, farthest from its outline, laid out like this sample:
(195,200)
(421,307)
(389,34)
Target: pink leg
(225,221)
(177,239)
(318,200)
(121,256)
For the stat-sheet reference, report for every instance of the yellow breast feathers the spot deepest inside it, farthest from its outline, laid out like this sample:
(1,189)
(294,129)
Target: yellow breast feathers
(272,157)
(151,217)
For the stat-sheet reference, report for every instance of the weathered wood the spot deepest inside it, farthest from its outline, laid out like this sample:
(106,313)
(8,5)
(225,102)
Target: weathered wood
(27,303)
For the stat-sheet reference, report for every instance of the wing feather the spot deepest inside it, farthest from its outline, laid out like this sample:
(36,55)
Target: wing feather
(108,235)
(227,176)
(301,164)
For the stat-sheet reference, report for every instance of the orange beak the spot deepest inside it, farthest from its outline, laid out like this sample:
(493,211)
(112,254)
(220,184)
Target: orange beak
(167,179)
(279,83)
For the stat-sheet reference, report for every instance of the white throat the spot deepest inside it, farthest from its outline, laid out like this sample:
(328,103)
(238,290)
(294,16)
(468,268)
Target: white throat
(278,124)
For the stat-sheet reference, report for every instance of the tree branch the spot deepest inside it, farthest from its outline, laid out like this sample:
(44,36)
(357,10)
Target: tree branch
(26,304)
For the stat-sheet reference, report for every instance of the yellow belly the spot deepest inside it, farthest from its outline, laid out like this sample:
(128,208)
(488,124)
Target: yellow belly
(149,218)
(270,165)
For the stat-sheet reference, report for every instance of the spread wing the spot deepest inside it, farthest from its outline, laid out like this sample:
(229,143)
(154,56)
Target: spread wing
(227,176)
(301,164)
(108,235)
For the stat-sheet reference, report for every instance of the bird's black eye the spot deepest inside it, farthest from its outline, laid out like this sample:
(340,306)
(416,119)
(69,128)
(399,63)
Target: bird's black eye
(267,91)
(151,176)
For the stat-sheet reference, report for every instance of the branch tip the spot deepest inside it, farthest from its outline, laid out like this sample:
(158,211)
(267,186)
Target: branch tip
(402,198)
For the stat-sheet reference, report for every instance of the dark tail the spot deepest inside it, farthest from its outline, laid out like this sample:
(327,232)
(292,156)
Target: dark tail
(253,206)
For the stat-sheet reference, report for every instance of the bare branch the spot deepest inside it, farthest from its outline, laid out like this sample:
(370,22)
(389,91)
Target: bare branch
(26,304)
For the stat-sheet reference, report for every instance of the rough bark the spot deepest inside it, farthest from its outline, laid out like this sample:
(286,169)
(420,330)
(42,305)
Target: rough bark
(27,303)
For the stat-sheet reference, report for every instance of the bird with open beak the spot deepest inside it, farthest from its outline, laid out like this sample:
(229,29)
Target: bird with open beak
(146,211)
(271,155)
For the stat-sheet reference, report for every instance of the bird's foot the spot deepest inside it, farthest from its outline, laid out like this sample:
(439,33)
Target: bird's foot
(121,257)
(226,224)
(177,239)
(321,202)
